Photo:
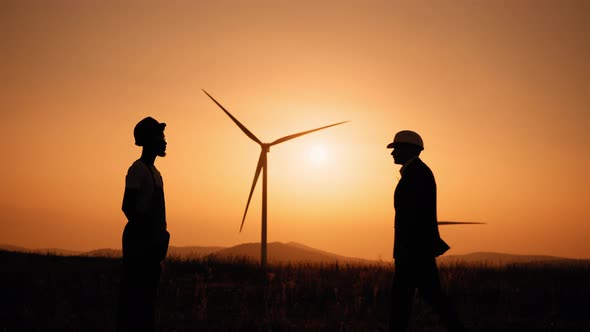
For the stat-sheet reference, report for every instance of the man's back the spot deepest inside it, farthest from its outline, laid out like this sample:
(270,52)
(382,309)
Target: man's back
(416,228)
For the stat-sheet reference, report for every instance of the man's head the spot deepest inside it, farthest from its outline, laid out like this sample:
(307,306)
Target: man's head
(406,145)
(149,134)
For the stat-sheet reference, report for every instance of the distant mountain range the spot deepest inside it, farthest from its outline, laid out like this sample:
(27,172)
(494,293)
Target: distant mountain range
(286,252)
(499,259)
(293,252)
(56,251)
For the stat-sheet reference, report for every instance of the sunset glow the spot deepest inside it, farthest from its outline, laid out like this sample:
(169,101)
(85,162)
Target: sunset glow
(498,93)
(317,155)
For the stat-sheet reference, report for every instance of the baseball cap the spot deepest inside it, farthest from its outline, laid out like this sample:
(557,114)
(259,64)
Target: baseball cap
(146,129)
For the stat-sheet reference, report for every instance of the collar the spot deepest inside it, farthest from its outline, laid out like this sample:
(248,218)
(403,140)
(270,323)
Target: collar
(403,169)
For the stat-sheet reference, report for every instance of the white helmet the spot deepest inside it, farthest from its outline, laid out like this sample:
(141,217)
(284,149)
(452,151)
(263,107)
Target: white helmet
(407,136)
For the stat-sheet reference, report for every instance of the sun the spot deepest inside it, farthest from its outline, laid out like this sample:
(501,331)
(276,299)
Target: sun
(317,155)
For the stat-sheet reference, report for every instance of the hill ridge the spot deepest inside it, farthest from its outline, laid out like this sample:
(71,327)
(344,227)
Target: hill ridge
(295,252)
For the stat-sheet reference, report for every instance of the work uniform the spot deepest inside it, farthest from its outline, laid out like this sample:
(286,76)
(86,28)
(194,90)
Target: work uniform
(145,243)
(416,244)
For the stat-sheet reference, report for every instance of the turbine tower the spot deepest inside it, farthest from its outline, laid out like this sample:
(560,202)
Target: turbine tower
(262,166)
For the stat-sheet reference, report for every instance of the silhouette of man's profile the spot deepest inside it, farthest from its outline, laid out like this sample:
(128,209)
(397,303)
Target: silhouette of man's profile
(145,238)
(416,241)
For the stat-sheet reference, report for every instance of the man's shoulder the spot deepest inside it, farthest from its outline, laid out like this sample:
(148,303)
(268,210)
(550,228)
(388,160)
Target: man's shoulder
(418,164)
(419,168)
(137,168)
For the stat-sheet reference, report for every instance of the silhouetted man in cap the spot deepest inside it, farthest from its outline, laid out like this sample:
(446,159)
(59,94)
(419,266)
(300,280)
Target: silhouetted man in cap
(145,238)
(417,241)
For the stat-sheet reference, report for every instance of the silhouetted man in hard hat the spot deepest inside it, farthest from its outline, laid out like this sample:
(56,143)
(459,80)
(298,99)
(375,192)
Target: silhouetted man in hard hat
(417,241)
(145,238)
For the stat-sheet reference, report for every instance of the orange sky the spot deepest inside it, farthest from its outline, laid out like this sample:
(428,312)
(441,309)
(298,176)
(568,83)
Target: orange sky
(498,91)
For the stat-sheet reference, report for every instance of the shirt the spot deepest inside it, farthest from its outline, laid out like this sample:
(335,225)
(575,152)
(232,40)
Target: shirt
(147,181)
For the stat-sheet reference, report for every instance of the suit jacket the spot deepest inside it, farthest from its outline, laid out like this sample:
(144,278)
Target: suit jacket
(416,225)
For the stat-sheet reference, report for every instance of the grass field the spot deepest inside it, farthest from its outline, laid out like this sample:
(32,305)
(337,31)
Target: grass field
(57,293)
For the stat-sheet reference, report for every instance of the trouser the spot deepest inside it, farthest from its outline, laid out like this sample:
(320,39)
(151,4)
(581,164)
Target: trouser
(137,295)
(419,274)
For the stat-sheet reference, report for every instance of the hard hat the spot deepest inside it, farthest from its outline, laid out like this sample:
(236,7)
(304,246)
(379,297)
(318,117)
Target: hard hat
(146,129)
(407,136)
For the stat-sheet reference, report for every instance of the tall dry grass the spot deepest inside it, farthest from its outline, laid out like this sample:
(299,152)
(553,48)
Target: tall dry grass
(56,293)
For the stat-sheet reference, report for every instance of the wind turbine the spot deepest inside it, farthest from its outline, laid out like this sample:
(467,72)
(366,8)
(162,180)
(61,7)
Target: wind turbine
(262,165)
(443,223)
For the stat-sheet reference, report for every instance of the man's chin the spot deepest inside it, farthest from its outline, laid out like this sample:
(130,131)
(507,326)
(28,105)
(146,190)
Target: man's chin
(162,154)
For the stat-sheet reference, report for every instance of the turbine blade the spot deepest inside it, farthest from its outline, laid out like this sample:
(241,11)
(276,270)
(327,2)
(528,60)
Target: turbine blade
(258,168)
(460,223)
(244,129)
(286,138)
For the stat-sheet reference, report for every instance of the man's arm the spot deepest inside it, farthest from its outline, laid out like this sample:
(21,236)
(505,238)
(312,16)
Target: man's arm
(130,204)
(421,204)
(133,207)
